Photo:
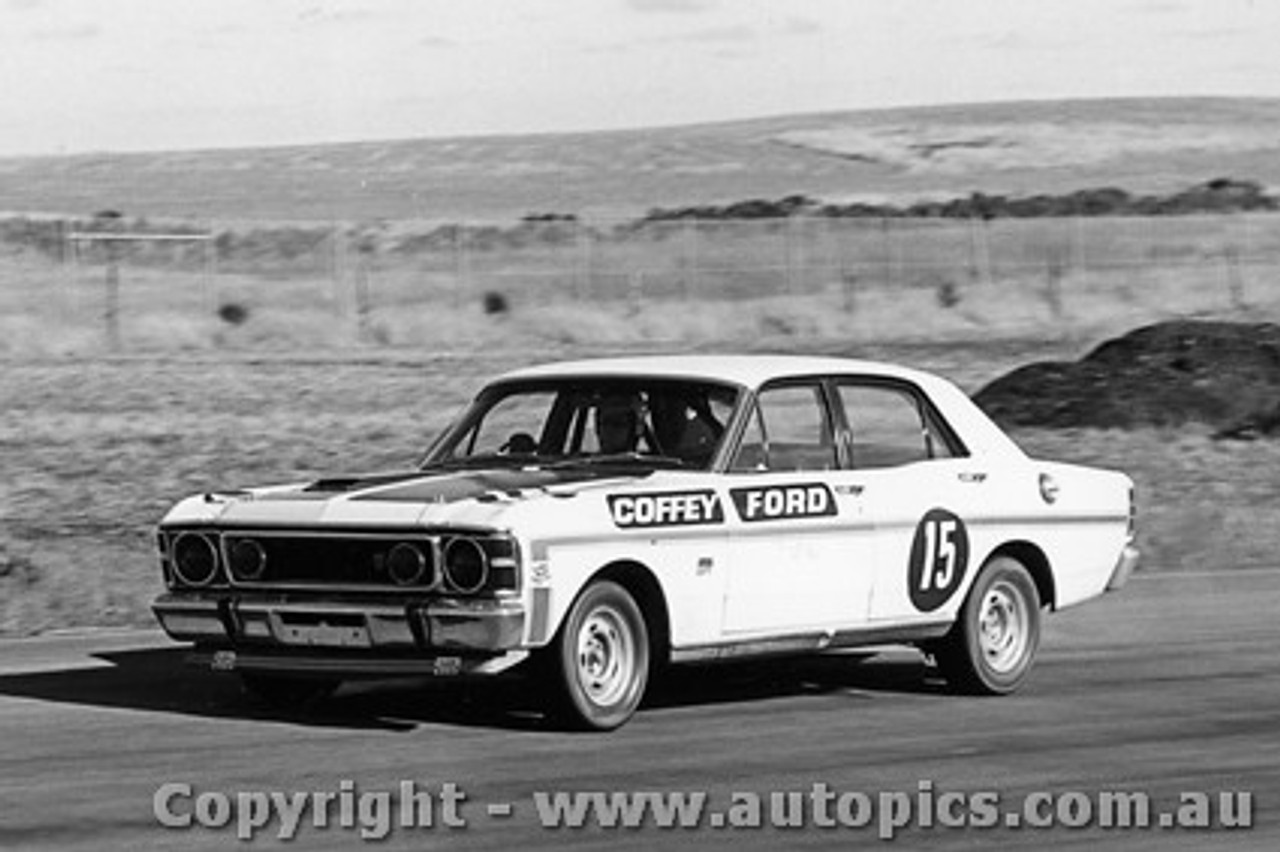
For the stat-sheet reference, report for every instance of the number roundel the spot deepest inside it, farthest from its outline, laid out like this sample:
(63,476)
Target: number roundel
(939,557)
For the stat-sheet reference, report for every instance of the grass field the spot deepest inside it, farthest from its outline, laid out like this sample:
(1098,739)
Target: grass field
(95,449)
(1143,145)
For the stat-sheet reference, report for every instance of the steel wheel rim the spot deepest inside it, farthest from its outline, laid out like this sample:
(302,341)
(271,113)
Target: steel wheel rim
(1002,627)
(606,656)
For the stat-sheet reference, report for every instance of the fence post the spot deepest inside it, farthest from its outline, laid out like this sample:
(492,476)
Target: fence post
(979,250)
(849,287)
(111,220)
(67,270)
(1054,264)
(112,310)
(363,283)
(337,269)
(77,298)
(210,271)
(791,254)
(635,290)
(885,233)
(584,286)
(972,265)
(461,265)
(690,278)
(1079,257)
(1243,248)
(1234,278)
(836,229)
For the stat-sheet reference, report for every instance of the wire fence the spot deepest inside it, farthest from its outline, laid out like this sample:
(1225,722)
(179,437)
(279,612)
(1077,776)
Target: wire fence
(126,283)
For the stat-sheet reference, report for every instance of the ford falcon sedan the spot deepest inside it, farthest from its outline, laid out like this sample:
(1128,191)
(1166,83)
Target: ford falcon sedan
(591,522)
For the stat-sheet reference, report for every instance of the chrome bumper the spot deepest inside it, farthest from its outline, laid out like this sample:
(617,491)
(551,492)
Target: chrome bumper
(1125,566)
(442,627)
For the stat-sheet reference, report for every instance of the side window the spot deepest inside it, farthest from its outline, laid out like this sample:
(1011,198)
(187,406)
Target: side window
(788,430)
(889,427)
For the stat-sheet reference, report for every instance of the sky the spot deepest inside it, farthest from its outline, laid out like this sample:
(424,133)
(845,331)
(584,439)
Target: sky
(120,75)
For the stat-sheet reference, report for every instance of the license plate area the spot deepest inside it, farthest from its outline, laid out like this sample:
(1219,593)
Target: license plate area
(321,630)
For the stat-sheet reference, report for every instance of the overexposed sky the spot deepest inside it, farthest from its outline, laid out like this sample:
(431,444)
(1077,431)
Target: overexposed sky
(96,75)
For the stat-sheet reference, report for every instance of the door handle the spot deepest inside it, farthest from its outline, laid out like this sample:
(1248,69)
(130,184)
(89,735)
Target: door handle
(972,476)
(852,490)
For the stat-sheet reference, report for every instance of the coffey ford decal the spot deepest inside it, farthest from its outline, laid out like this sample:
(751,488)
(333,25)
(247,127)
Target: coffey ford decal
(780,502)
(668,509)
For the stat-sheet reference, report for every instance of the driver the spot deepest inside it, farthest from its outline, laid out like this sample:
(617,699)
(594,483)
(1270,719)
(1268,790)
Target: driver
(618,422)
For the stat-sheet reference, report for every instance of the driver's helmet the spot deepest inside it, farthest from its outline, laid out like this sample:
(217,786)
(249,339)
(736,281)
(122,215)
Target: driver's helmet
(619,421)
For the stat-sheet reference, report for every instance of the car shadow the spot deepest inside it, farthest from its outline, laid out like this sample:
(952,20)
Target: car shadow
(847,673)
(160,680)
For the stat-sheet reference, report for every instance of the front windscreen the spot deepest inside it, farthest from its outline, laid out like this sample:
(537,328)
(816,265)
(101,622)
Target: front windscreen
(672,423)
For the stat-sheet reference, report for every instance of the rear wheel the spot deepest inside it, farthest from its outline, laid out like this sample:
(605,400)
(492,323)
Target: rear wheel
(990,649)
(600,659)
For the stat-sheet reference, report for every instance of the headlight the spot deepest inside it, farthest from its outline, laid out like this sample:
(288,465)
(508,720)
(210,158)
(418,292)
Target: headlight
(247,559)
(408,565)
(466,565)
(195,559)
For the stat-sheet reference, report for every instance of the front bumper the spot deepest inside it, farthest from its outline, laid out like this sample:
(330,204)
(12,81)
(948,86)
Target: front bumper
(1125,566)
(356,636)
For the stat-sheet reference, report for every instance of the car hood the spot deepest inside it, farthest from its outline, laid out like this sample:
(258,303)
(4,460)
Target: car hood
(470,498)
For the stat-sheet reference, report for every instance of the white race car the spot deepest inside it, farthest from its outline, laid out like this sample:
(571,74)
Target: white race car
(599,519)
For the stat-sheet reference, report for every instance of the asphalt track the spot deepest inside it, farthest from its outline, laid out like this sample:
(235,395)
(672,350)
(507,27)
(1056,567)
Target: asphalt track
(1167,687)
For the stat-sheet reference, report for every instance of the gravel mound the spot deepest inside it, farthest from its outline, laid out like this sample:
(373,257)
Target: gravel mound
(1222,374)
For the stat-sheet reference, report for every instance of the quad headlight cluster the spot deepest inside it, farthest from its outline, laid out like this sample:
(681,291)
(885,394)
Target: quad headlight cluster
(452,563)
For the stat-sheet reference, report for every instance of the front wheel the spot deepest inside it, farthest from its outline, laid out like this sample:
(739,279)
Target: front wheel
(601,658)
(990,649)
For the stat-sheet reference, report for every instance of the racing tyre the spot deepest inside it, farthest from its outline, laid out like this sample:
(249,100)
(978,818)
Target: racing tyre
(284,691)
(600,659)
(991,647)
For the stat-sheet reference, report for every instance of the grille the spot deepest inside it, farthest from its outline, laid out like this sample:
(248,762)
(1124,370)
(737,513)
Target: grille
(410,561)
(330,560)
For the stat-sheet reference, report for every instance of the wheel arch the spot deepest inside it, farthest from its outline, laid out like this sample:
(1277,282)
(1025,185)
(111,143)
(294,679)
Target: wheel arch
(642,584)
(1037,564)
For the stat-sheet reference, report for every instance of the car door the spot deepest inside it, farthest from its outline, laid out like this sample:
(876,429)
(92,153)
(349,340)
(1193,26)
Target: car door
(800,547)
(921,490)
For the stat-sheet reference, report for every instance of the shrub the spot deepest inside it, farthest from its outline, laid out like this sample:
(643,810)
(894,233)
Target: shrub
(233,313)
(495,303)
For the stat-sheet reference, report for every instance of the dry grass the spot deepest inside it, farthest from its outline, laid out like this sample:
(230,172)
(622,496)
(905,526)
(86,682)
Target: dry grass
(46,310)
(95,449)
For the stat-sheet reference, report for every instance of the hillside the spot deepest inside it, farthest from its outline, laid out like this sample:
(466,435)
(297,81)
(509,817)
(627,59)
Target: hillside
(1147,145)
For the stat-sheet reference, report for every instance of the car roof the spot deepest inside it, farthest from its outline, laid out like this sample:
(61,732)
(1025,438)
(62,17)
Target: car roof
(749,370)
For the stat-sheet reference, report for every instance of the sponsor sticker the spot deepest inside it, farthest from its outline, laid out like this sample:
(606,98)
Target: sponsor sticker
(665,509)
(939,557)
(783,502)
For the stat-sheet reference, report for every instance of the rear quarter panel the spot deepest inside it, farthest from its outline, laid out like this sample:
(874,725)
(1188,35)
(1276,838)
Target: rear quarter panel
(1085,530)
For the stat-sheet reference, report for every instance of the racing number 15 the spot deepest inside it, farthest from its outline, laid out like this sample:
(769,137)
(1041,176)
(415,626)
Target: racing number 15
(939,554)
(939,557)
